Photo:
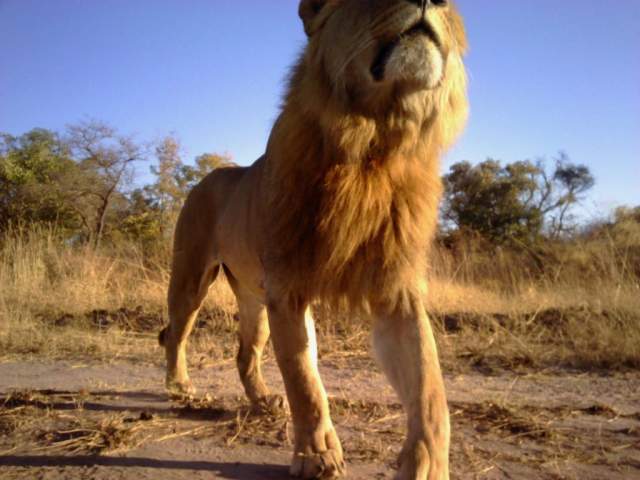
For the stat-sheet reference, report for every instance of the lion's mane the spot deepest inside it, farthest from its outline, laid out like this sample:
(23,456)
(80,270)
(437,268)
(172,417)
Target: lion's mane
(353,197)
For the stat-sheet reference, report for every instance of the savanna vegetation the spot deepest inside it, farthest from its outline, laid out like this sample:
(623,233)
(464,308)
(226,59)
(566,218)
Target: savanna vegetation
(516,278)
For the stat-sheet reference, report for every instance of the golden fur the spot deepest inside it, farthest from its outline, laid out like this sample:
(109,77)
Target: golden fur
(341,208)
(368,184)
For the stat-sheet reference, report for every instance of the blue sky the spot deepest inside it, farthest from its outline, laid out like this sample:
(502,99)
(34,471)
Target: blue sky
(545,75)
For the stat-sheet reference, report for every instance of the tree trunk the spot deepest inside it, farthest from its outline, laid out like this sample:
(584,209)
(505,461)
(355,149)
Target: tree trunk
(100,221)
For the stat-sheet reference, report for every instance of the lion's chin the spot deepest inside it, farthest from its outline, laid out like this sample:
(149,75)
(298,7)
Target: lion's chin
(415,62)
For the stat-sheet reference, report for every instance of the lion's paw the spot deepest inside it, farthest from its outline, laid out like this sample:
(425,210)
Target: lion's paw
(327,464)
(321,463)
(271,404)
(180,390)
(415,462)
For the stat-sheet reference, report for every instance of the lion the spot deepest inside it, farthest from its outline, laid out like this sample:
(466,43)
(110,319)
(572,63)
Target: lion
(341,208)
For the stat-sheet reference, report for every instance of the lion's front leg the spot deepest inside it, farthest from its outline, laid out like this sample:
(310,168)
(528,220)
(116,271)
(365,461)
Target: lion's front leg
(317,452)
(405,347)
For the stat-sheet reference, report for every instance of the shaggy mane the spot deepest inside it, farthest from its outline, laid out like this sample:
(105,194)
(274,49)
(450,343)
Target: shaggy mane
(353,199)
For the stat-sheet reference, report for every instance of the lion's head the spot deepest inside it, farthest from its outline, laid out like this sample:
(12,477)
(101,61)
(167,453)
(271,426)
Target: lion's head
(378,57)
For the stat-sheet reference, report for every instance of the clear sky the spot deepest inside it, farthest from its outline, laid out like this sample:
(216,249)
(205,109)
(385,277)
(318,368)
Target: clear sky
(546,75)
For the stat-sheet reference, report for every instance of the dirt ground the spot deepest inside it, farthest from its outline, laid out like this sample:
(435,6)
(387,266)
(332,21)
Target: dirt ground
(66,420)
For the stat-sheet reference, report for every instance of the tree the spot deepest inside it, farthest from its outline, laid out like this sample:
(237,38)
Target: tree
(492,200)
(516,202)
(82,180)
(106,159)
(570,184)
(153,209)
(174,179)
(188,176)
(142,221)
(34,169)
(166,192)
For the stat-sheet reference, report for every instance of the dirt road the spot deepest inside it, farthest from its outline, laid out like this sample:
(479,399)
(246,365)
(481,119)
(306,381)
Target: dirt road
(64,420)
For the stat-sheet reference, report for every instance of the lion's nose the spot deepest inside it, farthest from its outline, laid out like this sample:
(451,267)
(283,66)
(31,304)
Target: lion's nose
(429,3)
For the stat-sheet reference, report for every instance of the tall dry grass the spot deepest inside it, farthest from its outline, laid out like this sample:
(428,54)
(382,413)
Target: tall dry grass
(600,274)
(576,303)
(52,292)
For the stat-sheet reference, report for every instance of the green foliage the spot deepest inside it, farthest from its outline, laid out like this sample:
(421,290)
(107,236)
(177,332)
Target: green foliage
(188,176)
(34,169)
(167,193)
(517,202)
(155,207)
(82,182)
(489,199)
(141,220)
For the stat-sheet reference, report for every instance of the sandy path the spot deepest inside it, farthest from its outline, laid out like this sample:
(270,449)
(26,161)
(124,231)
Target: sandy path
(533,425)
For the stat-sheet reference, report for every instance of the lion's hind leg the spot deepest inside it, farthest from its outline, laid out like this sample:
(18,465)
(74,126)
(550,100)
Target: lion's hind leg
(253,335)
(405,348)
(191,277)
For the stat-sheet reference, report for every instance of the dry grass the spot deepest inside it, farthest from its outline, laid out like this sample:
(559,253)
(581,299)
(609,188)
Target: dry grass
(58,300)
(581,309)
(574,302)
(55,423)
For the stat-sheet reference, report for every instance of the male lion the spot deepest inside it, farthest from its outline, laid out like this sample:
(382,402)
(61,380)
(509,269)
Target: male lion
(340,208)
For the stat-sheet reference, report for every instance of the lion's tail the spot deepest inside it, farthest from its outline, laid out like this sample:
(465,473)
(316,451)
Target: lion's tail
(162,337)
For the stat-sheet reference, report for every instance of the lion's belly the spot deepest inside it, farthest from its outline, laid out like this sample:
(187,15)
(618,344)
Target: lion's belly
(238,234)
(246,269)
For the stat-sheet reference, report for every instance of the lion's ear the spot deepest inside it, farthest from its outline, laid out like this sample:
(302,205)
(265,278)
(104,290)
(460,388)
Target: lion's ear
(308,11)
